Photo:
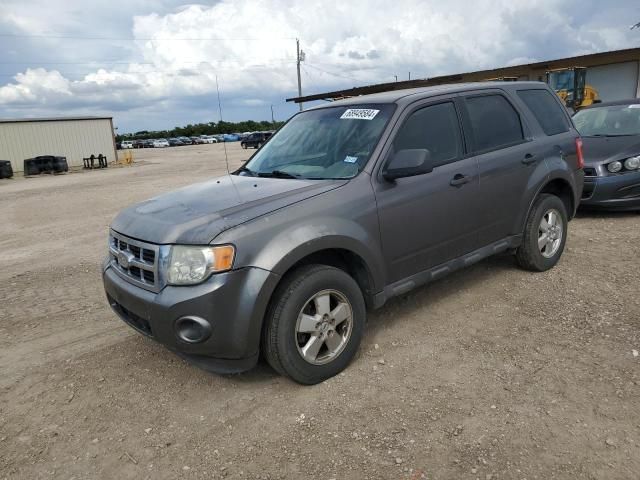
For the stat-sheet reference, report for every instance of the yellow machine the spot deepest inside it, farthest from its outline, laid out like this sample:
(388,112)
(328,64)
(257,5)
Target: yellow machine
(126,158)
(571,86)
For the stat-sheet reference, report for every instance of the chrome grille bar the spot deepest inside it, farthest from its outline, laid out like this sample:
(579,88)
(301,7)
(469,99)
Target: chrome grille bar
(135,261)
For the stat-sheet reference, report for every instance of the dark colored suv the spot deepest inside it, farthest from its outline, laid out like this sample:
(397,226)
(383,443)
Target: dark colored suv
(255,140)
(348,205)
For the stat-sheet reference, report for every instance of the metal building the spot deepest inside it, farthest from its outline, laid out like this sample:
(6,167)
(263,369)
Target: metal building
(73,137)
(614,74)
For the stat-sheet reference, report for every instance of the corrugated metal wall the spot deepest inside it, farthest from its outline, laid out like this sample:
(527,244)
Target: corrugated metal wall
(74,139)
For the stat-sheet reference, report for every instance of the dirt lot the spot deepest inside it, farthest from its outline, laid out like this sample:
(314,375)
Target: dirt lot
(492,373)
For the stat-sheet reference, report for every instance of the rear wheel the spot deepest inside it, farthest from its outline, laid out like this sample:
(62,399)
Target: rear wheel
(315,324)
(545,234)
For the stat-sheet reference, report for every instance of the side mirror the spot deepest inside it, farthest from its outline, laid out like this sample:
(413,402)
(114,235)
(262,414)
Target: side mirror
(408,163)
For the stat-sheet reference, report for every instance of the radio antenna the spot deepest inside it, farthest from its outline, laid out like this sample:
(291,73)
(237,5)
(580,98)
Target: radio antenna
(224,143)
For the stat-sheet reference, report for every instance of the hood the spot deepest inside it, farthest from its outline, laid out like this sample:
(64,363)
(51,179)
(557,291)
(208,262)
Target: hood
(599,150)
(196,214)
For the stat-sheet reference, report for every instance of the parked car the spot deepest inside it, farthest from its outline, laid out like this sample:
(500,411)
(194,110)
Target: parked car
(138,144)
(148,143)
(209,139)
(348,205)
(174,142)
(255,140)
(611,136)
(126,144)
(160,143)
(230,137)
(186,140)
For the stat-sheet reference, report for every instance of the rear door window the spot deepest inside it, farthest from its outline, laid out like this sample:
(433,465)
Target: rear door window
(546,109)
(494,123)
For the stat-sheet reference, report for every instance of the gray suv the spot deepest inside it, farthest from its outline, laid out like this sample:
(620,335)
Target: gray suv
(348,205)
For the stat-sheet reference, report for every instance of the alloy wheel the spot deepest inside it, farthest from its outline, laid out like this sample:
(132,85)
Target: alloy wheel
(550,233)
(324,327)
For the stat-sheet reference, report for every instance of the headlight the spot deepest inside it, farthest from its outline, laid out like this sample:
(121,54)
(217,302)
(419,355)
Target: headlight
(614,167)
(191,265)
(632,163)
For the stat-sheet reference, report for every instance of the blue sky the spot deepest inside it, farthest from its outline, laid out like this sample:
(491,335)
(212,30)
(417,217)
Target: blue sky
(152,64)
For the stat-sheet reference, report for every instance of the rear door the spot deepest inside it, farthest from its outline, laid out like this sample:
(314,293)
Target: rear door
(428,219)
(506,155)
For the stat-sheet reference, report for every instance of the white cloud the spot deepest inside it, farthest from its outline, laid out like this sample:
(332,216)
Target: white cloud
(173,58)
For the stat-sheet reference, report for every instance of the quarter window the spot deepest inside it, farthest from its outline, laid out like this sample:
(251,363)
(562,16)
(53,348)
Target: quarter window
(546,109)
(494,122)
(434,128)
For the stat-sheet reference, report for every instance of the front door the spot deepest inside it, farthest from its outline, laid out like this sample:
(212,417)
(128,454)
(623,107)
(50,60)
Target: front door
(428,219)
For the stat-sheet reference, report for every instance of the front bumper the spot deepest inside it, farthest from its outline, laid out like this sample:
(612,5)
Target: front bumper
(234,303)
(619,192)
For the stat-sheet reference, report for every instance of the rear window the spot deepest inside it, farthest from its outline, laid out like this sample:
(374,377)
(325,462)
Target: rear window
(546,109)
(494,122)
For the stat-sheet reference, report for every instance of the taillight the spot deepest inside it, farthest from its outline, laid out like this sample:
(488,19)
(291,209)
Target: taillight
(579,152)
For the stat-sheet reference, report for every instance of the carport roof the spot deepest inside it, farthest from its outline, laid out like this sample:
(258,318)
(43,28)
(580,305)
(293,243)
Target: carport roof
(50,119)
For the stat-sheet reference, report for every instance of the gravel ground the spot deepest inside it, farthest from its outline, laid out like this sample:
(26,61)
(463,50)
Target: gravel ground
(491,373)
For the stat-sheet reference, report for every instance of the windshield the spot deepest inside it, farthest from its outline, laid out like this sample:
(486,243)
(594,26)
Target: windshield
(562,80)
(327,143)
(613,120)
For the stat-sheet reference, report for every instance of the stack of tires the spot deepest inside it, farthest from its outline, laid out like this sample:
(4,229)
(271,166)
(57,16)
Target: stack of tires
(6,171)
(45,164)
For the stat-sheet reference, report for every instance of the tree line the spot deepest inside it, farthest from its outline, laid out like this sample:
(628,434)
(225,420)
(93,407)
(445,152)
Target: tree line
(211,128)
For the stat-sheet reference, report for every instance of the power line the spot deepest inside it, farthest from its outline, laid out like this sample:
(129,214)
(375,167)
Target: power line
(176,73)
(83,37)
(332,73)
(118,62)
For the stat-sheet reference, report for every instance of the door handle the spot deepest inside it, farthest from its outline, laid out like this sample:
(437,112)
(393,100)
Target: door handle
(529,159)
(459,179)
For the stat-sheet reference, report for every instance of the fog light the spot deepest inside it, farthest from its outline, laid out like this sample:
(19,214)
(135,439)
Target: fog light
(192,329)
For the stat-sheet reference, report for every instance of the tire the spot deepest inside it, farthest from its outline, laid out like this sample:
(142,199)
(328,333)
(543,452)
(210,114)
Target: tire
(530,255)
(283,342)
(258,145)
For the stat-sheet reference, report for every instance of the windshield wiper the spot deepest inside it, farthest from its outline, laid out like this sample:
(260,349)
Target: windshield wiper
(277,174)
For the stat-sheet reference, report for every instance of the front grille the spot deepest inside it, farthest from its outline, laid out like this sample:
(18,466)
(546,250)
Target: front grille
(135,261)
(137,322)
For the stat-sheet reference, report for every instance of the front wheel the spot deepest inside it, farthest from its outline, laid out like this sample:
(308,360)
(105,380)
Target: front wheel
(243,145)
(545,234)
(315,324)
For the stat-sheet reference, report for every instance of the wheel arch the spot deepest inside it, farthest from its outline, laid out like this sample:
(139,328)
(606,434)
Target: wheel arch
(342,257)
(559,186)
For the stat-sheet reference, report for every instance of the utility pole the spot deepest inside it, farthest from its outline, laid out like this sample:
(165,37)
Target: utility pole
(273,119)
(409,75)
(299,58)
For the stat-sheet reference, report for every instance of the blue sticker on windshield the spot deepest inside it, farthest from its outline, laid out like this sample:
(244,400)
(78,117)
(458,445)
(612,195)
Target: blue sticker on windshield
(349,159)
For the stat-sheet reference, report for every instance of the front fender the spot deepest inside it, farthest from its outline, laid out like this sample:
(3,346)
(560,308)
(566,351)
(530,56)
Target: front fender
(345,218)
